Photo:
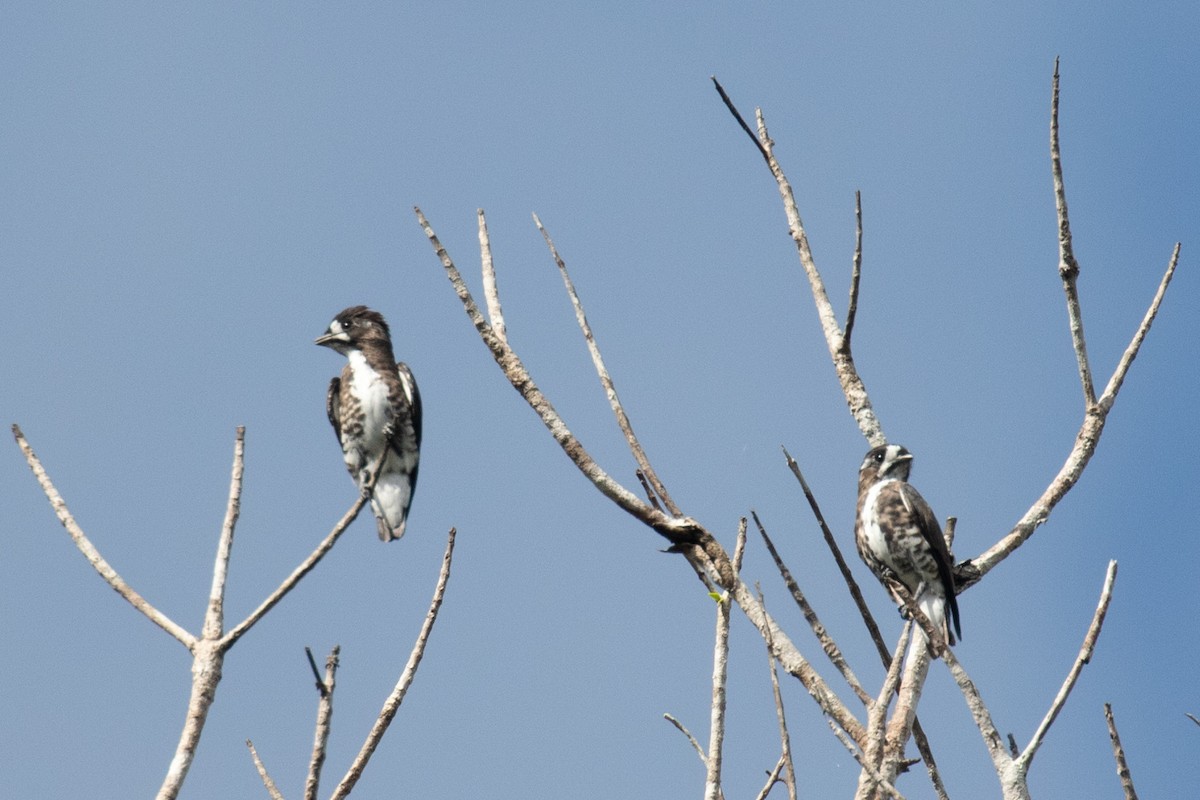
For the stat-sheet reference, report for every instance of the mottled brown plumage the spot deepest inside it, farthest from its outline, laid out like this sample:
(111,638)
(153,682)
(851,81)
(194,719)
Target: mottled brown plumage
(375,409)
(898,536)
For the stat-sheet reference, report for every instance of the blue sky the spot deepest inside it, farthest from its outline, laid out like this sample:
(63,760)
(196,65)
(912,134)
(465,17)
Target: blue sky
(192,193)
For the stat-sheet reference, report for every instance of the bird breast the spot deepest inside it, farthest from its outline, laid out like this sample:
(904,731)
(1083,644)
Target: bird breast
(371,392)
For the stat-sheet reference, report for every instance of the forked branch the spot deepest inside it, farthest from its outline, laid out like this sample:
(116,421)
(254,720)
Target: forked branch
(687,536)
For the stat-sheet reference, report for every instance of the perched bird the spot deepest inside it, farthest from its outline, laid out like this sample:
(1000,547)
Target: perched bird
(375,410)
(898,536)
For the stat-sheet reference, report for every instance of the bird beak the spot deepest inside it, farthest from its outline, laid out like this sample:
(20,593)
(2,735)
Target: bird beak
(329,339)
(905,457)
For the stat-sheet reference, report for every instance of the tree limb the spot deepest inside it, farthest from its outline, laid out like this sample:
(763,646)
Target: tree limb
(105,570)
(392,704)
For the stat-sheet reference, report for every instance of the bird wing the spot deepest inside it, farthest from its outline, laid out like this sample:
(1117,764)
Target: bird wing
(931,531)
(333,406)
(413,395)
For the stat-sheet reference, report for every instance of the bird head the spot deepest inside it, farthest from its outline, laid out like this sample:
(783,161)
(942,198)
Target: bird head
(883,463)
(352,327)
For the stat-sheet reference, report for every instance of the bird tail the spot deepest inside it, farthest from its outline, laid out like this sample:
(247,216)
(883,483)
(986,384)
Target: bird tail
(934,607)
(390,502)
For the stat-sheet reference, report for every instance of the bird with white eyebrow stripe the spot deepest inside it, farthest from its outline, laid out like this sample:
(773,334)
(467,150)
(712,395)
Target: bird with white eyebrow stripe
(375,410)
(898,536)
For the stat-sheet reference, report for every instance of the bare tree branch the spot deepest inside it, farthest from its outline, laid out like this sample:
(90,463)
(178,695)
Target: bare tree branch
(1119,755)
(1068,267)
(772,779)
(855,273)
(836,657)
(1109,396)
(114,580)
(392,704)
(515,370)
(491,291)
(214,617)
(610,389)
(862,762)
(695,743)
(720,675)
(209,651)
(702,550)
(785,740)
(1084,657)
(325,687)
(272,789)
(1012,781)
(876,718)
(305,566)
(839,346)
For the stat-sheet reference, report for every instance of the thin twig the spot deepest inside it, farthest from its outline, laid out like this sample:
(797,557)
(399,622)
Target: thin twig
(855,273)
(325,687)
(843,567)
(392,704)
(653,498)
(312,665)
(836,657)
(772,779)
(610,389)
(1068,267)
(214,617)
(1109,396)
(303,569)
(1119,755)
(740,120)
(90,552)
(309,563)
(992,739)
(785,740)
(695,743)
(272,789)
(1085,656)
(879,779)
(491,291)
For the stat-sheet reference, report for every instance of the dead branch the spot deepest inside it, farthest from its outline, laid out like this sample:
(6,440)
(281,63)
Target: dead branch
(838,343)
(720,675)
(834,653)
(689,537)
(1119,755)
(610,389)
(785,740)
(491,292)
(209,649)
(1068,267)
(272,789)
(325,687)
(392,704)
(1084,657)
(105,570)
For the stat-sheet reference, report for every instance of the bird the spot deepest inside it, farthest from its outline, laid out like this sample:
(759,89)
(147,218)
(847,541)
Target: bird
(375,410)
(898,537)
